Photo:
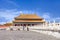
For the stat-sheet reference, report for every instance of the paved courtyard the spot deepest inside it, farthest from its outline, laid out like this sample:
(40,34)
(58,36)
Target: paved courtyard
(24,35)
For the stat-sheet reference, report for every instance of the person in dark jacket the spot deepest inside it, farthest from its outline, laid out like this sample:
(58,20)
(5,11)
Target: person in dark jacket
(27,29)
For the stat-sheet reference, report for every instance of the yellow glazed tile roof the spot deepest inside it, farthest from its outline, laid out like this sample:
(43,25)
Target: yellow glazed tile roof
(28,16)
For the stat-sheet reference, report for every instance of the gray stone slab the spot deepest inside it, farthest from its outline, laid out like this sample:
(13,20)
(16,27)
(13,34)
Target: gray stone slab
(24,35)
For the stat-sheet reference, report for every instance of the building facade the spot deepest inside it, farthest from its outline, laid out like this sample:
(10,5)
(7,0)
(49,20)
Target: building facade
(28,20)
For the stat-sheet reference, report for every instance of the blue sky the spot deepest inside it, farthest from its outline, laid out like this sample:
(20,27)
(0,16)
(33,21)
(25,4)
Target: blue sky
(48,9)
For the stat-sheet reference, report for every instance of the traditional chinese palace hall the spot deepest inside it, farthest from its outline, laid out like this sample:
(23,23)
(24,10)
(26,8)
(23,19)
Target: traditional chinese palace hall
(28,20)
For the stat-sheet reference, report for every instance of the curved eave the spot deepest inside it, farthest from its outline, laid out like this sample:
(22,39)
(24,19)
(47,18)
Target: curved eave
(29,22)
(27,18)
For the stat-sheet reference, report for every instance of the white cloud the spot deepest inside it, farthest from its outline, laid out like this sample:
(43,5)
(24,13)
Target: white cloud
(58,18)
(8,15)
(11,2)
(27,12)
(46,16)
